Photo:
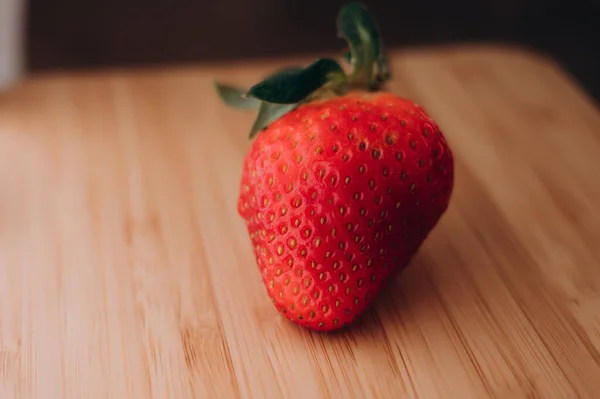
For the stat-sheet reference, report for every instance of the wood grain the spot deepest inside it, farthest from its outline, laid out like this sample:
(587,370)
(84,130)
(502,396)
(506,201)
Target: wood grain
(125,271)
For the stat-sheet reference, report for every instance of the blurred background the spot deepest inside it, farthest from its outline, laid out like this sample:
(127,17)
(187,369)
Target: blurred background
(91,34)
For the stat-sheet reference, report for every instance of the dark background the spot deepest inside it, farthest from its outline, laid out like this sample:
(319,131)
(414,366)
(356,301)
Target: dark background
(76,34)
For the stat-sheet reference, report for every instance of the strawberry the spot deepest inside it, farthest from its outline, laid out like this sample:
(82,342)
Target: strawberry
(343,182)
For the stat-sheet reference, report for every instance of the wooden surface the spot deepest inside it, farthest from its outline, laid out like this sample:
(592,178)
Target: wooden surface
(125,271)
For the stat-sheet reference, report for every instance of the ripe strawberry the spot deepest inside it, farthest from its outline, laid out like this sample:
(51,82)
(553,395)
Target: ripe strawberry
(343,183)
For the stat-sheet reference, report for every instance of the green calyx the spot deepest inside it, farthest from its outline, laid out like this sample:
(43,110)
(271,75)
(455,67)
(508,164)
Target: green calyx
(286,89)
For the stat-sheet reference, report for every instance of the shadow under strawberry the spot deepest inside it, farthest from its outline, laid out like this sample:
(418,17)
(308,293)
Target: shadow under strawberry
(393,302)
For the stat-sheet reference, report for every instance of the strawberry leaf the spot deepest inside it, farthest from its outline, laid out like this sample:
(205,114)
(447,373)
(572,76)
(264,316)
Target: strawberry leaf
(358,27)
(293,85)
(234,97)
(267,113)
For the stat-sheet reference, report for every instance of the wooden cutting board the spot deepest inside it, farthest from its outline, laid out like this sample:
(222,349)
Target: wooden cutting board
(125,271)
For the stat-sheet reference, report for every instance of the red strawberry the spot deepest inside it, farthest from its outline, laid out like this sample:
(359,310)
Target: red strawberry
(343,183)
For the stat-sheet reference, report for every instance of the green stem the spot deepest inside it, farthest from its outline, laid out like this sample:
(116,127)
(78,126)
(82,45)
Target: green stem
(287,88)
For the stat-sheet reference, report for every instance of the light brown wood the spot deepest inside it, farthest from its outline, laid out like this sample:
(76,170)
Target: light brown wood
(125,271)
